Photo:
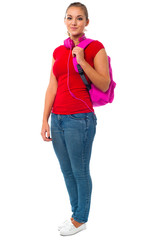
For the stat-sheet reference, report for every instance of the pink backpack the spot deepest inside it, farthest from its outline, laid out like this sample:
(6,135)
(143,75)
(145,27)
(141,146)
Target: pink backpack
(98,97)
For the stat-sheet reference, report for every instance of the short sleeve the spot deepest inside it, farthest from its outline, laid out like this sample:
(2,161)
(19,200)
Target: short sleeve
(54,54)
(94,47)
(57,51)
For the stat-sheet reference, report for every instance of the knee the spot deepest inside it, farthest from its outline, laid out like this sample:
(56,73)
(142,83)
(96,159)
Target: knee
(80,175)
(67,173)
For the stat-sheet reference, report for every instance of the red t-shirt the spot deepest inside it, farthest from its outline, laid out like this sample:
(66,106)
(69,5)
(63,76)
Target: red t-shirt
(64,102)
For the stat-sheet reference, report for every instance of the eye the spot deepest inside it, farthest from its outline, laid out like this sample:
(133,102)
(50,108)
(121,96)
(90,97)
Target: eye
(80,18)
(69,18)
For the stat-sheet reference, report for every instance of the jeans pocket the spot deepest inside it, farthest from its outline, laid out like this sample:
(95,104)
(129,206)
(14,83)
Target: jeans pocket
(78,116)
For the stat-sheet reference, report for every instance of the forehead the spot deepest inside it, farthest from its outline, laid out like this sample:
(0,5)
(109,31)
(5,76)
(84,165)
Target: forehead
(74,11)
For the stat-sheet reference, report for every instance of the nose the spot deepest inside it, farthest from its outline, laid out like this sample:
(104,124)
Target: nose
(74,22)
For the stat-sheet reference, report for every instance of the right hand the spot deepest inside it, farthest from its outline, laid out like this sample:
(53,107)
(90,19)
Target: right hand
(45,129)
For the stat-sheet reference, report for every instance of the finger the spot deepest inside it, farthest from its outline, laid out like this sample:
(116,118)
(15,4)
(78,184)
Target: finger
(48,131)
(43,134)
(48,135)
(49,139)
(74,51)
(73,54)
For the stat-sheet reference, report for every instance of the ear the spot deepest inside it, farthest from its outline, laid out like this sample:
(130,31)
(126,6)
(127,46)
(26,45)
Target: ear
(87,22)
(65,21)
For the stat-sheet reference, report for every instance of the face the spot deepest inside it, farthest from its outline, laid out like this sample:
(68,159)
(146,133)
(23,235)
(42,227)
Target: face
(75,21)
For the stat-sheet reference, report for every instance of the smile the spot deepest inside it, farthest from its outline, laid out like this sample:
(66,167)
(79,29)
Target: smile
(73,28)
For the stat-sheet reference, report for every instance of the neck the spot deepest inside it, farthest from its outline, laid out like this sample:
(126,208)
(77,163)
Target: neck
(76,38)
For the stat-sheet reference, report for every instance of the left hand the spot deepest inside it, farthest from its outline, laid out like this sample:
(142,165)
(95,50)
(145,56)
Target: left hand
(79,52)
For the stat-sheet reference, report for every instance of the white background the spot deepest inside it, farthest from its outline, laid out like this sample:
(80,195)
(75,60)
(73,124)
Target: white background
(125,158)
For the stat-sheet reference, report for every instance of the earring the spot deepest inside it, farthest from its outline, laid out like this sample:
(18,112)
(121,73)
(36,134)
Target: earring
(68,33)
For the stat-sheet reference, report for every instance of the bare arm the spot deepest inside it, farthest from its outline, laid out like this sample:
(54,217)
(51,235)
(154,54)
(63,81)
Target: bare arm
(49,99)
(99,75)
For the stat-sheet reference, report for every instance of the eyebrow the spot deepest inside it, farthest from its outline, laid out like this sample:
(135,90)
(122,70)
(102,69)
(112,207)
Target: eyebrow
(77,16)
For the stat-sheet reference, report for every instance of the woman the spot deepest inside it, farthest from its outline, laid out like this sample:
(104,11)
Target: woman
(73,121)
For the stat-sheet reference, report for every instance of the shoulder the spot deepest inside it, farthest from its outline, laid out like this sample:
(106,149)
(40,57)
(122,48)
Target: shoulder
(59,50)
(94,47)
(96,44)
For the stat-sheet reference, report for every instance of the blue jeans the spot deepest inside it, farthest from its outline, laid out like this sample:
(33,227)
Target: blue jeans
(72,138)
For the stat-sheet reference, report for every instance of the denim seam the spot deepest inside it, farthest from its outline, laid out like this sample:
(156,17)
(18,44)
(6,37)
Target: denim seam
(84,163)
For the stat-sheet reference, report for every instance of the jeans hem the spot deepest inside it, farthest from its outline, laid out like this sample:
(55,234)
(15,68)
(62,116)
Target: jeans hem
(78,219)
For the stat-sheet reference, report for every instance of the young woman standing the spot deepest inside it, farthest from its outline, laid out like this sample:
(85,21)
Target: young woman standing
(73,121)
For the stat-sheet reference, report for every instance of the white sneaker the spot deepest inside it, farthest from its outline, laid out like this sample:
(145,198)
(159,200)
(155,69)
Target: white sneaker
(70,229)
(64,224)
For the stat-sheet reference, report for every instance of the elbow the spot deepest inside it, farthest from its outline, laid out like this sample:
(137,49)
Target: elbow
(106,85)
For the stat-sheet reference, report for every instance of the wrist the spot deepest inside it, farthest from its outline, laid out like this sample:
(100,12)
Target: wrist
(45,120)
(82,63)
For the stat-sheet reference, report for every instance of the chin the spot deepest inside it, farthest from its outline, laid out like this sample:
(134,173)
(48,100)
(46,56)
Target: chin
(74,34)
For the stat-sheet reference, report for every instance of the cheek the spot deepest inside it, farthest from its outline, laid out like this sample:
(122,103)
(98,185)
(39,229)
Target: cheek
(67,25)
(82,25)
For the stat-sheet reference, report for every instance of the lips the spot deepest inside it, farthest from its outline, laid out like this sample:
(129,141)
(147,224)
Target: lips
(73,28)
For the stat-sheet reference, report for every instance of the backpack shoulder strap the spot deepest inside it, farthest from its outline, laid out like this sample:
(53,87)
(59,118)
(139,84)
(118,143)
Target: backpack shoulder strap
(83,45)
